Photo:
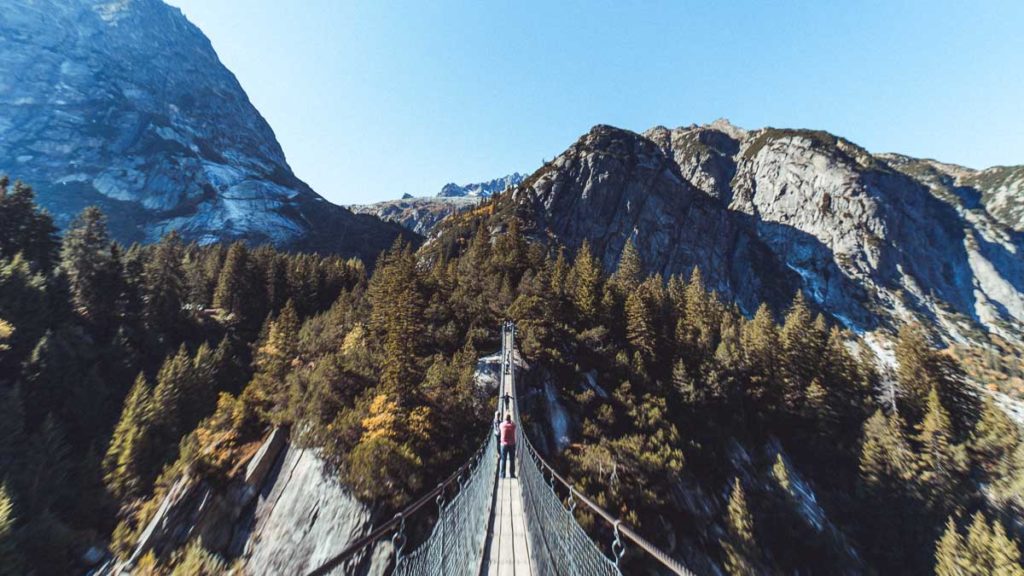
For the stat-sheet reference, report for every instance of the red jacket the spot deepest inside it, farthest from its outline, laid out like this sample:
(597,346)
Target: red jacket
(508,433)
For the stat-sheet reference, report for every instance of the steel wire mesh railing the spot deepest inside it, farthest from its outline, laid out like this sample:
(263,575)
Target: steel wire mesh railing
(455,546)
(559,544)
(456,542)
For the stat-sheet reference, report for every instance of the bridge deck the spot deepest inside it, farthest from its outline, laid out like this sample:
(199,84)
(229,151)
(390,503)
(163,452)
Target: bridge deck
(507,551)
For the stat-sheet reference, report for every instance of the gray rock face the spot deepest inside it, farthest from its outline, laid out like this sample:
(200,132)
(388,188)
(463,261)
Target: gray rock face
(419,215)
(124,104)
(303,519)
(613,185)
(481,189)
(872,239)
(1002,192)
(287,515)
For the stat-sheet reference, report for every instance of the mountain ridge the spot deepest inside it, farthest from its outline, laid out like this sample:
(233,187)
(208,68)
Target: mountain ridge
(785,209)
(422,213)
(481,189)
(126,105)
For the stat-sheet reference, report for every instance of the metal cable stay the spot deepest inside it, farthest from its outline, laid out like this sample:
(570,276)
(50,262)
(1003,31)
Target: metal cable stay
(561,545)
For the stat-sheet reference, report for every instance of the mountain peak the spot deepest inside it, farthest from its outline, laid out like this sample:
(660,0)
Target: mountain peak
(481,189)
(723,125)
(158,134)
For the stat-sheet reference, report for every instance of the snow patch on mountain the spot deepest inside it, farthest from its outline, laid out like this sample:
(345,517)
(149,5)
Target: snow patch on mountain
(481,189)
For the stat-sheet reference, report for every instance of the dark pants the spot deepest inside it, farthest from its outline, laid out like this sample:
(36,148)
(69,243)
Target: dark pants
(497,444)
(508,454)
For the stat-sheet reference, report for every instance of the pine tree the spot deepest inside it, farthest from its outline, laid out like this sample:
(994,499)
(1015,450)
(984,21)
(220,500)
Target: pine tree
(24,228)
(818,409)
(759,340)
(886,456)
(510,251)
(163,286)
(10,560)
(802,341)
(697,333)
(741,550)
(1004,552)
(202,386)
(1010,477)
(643,308)
(988,550)
(45,471)
(559,275)
(729,351)
(942,463)
(976,552)
(126,461)
(61,378)
(234,287)
(917,369)
(276,282)
(781,474)
(846,387)
(172,383)
(90,269)
(675,291)
(629,273)
(994,438)
(26,302)
(585,278)
(397,320)
(887,493)
(684,385)
(949,552)
(12,426)
(274,358)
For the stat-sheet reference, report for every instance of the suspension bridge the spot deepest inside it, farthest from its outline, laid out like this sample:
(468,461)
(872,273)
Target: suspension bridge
(524,525)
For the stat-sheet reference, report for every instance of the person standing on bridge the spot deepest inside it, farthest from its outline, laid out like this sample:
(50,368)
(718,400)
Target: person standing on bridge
(508,445)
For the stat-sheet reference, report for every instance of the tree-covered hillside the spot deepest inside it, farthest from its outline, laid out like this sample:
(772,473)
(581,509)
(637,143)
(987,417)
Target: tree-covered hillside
(771,444)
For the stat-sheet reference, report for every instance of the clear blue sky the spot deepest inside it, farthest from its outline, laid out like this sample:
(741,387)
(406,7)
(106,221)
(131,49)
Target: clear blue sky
(380,98)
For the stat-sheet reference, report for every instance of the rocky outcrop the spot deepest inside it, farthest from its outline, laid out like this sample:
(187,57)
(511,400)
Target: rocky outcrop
(287,514)
(124,104)
(874,240)
(1002,192)
(302,519)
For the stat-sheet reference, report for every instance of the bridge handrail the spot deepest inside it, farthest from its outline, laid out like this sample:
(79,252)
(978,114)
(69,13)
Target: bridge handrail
(392,525)
(616,524)
(396,524)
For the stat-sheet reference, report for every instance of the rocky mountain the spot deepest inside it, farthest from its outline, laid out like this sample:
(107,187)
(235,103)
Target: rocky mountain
(423,214)
(124,104)
(481,189)
(873,239)
(420,215)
